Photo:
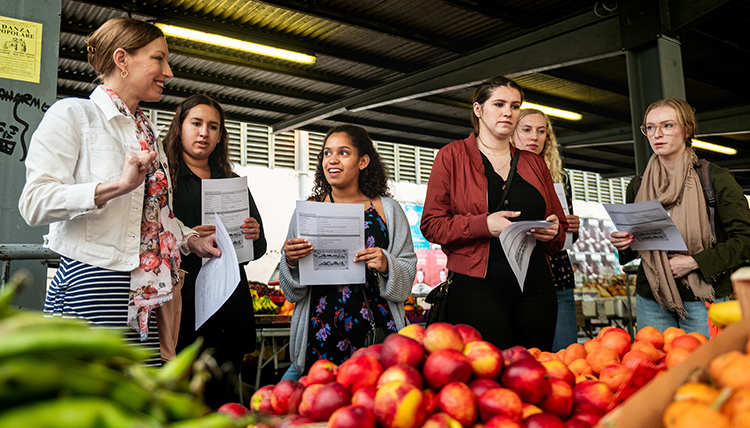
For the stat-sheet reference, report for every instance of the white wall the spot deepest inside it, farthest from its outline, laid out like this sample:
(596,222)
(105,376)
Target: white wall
(275,192)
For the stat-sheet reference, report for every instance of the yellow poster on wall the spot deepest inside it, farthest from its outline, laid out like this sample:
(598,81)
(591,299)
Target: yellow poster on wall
(20,49)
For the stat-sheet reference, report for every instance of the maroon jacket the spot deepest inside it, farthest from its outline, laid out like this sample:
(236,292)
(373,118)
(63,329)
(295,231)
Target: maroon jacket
(455,210)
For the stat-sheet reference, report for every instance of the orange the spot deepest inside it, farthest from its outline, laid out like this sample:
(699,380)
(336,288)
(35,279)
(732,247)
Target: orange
(720,362)
(573,352)
(700,416)
(698,392)
(738,402)
(736,375)
(652,335)
(408,307)
(676,356)
(673,409)
(601,358)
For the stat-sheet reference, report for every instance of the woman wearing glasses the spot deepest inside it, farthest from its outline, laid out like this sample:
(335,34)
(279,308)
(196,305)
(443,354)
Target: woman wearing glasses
(672,287)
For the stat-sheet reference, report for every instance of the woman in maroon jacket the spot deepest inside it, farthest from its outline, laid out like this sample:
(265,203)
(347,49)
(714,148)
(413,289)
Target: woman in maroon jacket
(462,213)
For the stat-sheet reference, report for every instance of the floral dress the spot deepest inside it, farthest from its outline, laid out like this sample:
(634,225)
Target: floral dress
(339,320)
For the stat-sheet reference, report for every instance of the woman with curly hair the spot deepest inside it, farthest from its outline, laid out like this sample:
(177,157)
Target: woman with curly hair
(534,133)
(332,321)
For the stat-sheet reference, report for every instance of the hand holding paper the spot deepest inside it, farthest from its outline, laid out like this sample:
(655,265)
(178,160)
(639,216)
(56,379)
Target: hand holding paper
(648,223)
(518,244)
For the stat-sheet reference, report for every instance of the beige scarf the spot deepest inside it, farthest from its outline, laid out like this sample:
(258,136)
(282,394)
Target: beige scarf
(679,191)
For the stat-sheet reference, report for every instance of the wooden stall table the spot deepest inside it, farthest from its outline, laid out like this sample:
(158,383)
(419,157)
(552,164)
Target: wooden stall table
(269,328)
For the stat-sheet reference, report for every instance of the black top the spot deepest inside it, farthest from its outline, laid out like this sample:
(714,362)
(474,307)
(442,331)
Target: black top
(231,330)
(522,196)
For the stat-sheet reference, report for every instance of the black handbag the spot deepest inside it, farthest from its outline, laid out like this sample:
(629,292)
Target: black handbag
(437,298)
(377,333)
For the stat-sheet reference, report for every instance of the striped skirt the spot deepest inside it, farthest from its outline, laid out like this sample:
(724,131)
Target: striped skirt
(100,296)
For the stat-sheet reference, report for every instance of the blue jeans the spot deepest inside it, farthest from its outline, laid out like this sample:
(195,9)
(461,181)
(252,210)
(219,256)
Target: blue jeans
(291,373)
(566,330)
(648,312)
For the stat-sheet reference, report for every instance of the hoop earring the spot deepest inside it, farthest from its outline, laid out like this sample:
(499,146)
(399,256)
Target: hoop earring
(124,73)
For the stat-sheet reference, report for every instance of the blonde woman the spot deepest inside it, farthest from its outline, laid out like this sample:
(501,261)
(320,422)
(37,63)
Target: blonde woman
(534,133)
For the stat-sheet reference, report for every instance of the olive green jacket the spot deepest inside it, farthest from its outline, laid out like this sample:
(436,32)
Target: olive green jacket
(717,263)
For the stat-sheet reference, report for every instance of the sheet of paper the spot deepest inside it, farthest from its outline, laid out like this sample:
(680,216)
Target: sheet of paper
(217,279)
(649,223)
(337,233)
(229,198)
(518,245)
(560,191)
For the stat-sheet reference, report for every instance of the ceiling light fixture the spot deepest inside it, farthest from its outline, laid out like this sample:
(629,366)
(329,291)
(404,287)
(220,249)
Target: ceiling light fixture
(240,45)
(551,111)
(714,147)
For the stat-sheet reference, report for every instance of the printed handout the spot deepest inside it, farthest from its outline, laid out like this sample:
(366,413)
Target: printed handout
(560,191)
(229,198)
(217,279)
(337,233)
(649,223)
(518,245)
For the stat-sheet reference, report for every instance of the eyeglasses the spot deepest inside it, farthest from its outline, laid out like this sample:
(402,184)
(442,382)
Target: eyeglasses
(667,128)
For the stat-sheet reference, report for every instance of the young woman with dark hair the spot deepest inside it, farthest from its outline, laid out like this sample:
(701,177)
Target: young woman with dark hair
(197,145)
(463,212)
(330,321)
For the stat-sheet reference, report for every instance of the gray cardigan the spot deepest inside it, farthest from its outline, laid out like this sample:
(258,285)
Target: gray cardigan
(396,287)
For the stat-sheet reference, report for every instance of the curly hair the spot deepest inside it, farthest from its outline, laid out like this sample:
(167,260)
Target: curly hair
(373,180)
(219,158)
(551,151)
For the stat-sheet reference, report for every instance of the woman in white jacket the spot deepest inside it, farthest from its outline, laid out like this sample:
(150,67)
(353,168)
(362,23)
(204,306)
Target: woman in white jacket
(97,174)
(331,321)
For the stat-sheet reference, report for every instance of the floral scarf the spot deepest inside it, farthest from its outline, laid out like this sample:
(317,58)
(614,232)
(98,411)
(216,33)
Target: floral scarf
(151,282)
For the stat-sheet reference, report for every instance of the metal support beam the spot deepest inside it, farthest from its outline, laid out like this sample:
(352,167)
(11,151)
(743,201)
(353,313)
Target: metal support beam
(654,73)
(576,40)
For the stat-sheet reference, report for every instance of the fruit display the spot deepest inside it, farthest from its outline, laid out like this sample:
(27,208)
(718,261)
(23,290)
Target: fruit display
(415,313)
(57,372)
(447,376)
(263,305)
(264,290)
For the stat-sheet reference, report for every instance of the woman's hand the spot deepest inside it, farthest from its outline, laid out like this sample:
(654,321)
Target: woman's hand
(573,223)
(205,230)
(374,258)
(133,175)
(251,229)
(681,265)
(204,247)
(548,233)
(295,249)
(498,221)
(134,170)
(621,240)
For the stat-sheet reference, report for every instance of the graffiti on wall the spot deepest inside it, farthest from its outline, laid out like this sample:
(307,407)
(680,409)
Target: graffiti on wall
(14,129)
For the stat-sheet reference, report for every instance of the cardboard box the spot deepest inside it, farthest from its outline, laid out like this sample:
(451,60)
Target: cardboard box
(646,407)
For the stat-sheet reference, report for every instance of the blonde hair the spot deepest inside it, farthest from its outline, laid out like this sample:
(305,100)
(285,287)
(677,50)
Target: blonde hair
(129,34)
(550,152)
(685,115)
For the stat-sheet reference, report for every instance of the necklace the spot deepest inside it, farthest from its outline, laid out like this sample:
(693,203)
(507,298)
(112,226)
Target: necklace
(487,150)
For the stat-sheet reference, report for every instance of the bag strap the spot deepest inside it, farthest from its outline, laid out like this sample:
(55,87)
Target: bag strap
(703,168)
(511,174)
(367,305)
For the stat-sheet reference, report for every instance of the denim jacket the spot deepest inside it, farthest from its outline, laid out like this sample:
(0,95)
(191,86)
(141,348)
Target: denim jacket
(79,144)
